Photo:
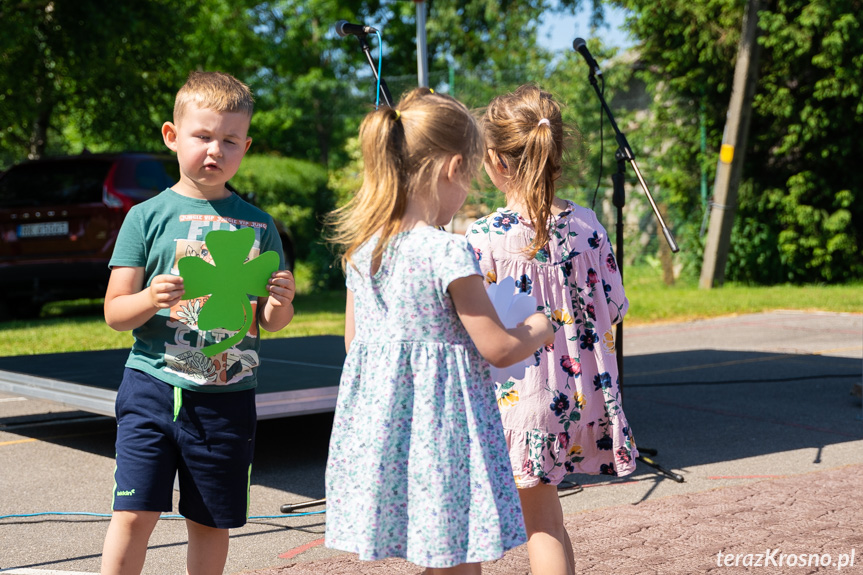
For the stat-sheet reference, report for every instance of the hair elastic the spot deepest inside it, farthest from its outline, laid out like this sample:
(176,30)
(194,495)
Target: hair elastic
(398,114)
(544,121)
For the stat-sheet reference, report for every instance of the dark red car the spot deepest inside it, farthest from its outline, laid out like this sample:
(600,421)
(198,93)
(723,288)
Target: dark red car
(59,219)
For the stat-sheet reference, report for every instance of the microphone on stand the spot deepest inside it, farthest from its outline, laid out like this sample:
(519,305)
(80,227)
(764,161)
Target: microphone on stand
(580,46)
(345,28)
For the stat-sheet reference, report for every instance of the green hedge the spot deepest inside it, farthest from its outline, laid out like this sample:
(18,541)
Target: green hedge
(296,193)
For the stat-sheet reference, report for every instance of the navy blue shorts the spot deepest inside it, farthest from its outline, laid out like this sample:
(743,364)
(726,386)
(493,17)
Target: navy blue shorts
(209,448)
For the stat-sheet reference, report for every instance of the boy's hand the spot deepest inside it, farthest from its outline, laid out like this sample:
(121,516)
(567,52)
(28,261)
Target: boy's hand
(166,291)
(282,288)
(539,322)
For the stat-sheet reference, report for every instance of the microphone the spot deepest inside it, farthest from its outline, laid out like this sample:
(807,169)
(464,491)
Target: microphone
(580,46)
(345,28)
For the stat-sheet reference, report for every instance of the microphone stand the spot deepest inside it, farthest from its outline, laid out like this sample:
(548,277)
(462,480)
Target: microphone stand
(623,155)
(385,91)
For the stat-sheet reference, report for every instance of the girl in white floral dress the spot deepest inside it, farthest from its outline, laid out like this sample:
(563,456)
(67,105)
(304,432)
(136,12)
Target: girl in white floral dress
(417,464)
(565,415)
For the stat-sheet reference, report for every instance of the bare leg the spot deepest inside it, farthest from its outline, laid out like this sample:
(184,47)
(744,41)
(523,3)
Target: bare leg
(463,569)
(570,554)
(548,544)
(207,551)
(125,547)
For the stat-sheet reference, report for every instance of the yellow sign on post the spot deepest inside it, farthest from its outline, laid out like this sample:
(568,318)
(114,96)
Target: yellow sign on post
(726,153)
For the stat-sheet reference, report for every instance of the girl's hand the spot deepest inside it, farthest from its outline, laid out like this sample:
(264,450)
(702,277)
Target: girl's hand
(500,346)
(166,291)
(539,322)
(282,288)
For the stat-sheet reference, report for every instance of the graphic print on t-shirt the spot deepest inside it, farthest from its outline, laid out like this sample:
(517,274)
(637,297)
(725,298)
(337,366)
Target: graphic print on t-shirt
(183,356)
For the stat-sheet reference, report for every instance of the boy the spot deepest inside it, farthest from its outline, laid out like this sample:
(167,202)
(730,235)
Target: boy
(179,412)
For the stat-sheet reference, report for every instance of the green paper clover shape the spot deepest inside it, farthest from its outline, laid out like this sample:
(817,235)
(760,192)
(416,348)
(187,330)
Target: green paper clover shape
(227,282)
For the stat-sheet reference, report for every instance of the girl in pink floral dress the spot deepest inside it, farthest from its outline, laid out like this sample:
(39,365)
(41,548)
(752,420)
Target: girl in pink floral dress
(565,415)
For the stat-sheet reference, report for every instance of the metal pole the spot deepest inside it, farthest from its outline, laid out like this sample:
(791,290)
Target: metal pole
(422,55)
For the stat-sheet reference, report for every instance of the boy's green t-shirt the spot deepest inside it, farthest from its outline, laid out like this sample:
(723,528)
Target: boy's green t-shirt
(155,235)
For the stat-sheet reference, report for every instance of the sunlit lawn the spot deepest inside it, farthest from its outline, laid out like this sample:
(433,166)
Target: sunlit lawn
(652,301)
(79,325)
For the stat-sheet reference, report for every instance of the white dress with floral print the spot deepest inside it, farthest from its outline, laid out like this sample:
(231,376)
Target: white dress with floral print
(417,464)
(565,415)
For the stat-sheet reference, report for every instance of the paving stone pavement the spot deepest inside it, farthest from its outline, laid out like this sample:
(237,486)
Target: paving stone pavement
(757,412)
(801,524)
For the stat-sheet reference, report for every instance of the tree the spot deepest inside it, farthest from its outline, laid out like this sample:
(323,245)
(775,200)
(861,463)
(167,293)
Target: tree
(99,75)
(810,115)
(315,87)
(308,100)
(799,214)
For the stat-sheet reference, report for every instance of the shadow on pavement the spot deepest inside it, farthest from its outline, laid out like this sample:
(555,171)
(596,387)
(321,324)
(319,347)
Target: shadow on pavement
(708,406)
(694,407)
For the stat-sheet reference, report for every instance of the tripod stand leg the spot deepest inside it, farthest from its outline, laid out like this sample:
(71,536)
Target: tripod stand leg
(658,467)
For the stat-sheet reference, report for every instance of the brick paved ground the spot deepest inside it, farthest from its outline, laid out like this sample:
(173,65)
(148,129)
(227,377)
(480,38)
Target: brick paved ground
(727,402)
(811,513)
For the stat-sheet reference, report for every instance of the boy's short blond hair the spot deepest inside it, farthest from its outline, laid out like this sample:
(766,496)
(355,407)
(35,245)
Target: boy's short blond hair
(213,91)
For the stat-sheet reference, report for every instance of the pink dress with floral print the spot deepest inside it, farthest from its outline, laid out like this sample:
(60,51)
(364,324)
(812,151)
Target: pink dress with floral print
(565,415)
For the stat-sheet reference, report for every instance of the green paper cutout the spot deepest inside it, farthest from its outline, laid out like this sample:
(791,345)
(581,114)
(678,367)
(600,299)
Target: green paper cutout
(228,282)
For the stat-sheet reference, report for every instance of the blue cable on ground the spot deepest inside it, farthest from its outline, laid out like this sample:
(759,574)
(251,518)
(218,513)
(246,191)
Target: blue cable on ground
(88,514)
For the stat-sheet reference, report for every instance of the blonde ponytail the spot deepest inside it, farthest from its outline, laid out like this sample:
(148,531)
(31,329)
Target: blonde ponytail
(403,148)
(525,127)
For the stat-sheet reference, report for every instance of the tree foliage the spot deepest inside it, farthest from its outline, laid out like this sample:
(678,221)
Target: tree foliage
(811,102)
(101,75)
(800,207)
(89,75)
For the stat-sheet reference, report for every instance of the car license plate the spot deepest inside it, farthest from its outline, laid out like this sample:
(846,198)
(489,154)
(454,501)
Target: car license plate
(43,229)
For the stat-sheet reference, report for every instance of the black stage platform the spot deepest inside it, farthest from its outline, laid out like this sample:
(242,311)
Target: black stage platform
(297,376)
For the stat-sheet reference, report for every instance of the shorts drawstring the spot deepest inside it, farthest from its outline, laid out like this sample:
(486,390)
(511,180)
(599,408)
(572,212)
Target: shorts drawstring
(178,401)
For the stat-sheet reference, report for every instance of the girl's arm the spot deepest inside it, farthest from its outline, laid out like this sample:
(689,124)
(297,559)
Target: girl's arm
(129,305)
(349,321)
(501,347)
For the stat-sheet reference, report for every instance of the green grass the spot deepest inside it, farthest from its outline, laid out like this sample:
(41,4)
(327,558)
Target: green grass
(79,325)
(651,301)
